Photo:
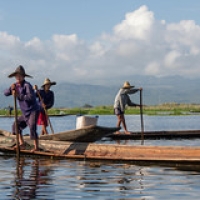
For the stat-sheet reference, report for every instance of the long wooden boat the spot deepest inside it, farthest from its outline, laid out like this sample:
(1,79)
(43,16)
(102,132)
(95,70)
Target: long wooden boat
(166,155)
(90,133)
(173,134)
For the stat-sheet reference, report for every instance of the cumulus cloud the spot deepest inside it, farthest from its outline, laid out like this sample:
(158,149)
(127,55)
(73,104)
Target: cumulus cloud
(135,25)
(139,44)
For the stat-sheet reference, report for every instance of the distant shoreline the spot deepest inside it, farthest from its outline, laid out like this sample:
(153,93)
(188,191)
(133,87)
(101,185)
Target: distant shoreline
(163,109)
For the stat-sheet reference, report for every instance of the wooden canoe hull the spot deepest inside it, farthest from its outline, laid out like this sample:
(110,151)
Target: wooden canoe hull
(111,152)
(86,134)
(152,135)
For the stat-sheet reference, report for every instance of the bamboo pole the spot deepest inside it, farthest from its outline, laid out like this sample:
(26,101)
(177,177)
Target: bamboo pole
(141,118)
(16,128)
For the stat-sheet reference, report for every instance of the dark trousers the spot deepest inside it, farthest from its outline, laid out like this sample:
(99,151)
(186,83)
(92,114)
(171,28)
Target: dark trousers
(30,121)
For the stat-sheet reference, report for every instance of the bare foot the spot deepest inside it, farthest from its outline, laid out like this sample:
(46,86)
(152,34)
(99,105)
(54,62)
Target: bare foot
(127,132)
(35,149)
(117,132)
(21,147)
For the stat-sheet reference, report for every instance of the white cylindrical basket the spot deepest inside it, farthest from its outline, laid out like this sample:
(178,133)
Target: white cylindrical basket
(82,121)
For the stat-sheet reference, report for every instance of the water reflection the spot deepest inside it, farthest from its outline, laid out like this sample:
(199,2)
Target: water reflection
(29,179)
(73,179)
(121,142)
(127,182)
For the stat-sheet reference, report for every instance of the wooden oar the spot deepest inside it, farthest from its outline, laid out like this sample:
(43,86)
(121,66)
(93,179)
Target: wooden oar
(141,117)
(45,112)
(16,127)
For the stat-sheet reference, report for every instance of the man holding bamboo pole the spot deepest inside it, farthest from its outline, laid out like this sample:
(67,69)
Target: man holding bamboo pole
(121,100)
(24,93)
(46,101)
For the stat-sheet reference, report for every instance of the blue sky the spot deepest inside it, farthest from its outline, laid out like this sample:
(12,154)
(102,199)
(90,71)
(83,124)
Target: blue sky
(86,18)
(88,40)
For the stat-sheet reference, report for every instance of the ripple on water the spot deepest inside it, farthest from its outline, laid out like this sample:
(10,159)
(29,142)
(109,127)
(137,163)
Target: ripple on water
(70,179)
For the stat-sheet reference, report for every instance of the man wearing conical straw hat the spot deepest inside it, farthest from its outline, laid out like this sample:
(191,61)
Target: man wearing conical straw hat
(121,100)
(46,100)
(25,95)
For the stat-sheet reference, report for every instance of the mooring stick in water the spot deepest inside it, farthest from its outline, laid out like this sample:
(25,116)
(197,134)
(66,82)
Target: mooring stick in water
(141,117)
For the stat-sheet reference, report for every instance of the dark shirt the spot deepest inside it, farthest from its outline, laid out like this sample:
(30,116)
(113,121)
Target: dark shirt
(26,98)
(47,98)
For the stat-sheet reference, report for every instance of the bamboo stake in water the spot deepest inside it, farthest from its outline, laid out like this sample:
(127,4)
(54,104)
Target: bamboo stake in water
(141,117)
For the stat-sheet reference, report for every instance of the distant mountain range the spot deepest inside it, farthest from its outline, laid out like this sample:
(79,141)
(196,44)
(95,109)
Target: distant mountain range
(155,91)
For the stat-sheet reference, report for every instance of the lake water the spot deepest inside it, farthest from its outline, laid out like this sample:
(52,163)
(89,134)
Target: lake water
(75,179)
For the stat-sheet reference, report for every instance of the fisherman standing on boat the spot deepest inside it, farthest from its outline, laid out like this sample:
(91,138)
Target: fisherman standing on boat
(121,100)
(46,101)
(25,95)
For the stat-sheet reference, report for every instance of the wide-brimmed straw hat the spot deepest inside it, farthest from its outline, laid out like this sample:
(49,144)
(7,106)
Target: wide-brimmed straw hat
(127,85)
(48,82)
(19,70)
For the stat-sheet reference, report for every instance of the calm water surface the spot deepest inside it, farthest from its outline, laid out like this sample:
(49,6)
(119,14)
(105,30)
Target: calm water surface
(74,179)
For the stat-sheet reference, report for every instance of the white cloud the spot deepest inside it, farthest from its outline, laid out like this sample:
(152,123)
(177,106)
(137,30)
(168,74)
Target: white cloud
(170,58)
(139,44)
(152,68)
(136,25)
(7,41)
